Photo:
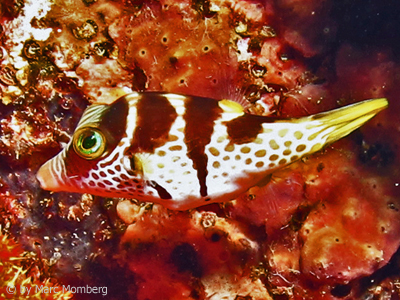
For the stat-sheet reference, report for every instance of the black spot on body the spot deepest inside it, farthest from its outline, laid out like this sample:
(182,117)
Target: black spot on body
(185,258)
(132,163)
(199,117)
(162,192)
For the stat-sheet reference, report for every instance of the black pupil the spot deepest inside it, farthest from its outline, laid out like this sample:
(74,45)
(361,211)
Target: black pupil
(89,142)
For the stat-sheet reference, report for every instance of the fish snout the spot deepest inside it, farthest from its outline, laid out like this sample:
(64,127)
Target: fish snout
(46,177)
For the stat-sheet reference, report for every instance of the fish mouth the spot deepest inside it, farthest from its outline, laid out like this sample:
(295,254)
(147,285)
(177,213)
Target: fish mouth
(46,178)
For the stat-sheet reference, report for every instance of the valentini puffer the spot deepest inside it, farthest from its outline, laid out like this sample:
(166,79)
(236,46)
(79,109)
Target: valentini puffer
(185,151)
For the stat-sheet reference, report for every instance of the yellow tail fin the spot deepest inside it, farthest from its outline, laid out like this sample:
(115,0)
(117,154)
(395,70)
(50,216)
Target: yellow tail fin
(340,122)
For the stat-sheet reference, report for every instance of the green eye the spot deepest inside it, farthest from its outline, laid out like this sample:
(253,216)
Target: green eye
(89,143)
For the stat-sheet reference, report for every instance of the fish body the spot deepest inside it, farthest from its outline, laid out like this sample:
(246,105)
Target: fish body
(185,151)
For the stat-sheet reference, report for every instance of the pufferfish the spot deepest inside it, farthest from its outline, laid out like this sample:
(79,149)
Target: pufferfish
(185,151)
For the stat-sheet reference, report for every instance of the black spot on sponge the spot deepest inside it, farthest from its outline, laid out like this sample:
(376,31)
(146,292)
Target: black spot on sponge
(376,155)
(299,217)
(185,258)
(341,290)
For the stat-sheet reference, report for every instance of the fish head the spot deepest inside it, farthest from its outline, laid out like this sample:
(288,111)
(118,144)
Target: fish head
(95,160)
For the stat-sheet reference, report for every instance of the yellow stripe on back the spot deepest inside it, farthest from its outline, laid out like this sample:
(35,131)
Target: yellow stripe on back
(229,106)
